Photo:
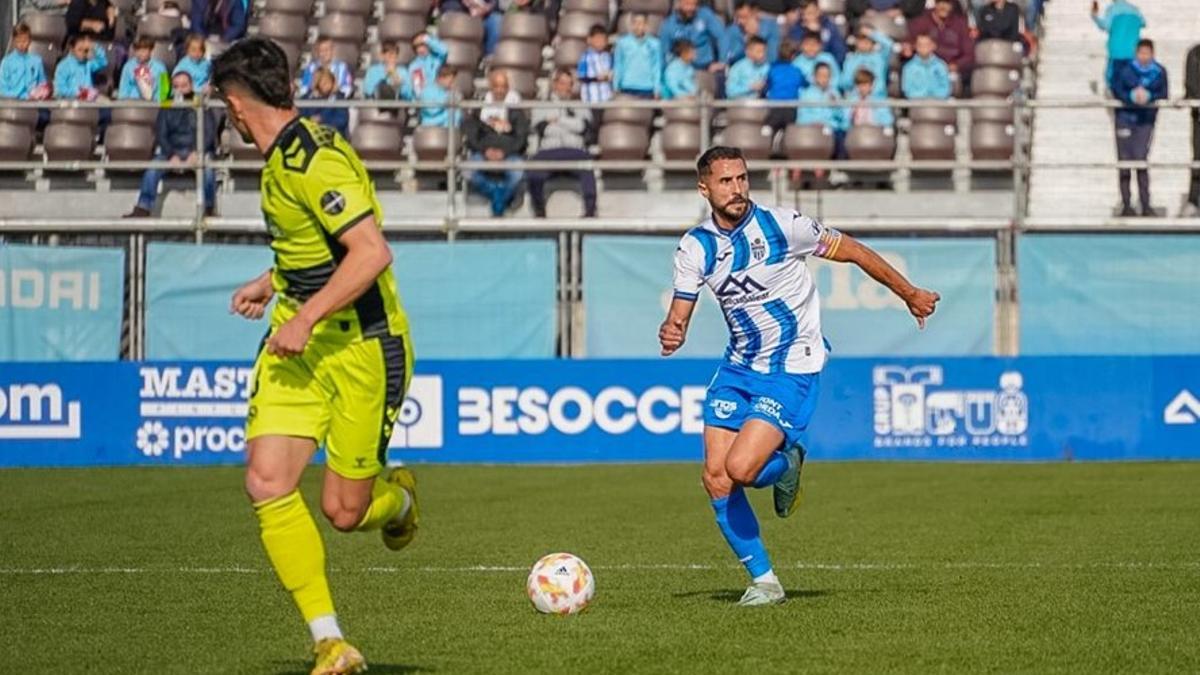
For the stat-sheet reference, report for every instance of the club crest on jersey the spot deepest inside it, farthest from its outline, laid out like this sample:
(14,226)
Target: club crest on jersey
(333,202)
(758,249)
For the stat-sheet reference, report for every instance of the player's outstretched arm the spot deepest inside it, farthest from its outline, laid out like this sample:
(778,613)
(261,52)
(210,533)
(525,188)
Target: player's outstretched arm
(673,331)
(252,298)
(921,303)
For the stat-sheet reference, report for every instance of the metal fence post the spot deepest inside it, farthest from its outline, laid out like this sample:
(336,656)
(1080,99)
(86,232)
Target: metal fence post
(201,162)
(452,166)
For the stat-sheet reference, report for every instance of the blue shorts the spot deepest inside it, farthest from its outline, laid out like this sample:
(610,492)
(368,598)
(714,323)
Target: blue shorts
(785,401)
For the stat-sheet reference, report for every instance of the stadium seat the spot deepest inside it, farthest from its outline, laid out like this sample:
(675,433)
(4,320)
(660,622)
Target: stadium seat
(991,141)
(50,54)
(654,23)
(144,116)
(185,6)
(284,27)
(568,51)
(80,117)
(419,8)
(292,51)
(998,53)
(463,55)
(680,140)
(623,141)
(522,81)
(932,115)
(124,142)
(808,141)
(747,113)
(377,141)
(706,82)
(995,81)
(46,27)
(1001,114)
(517,54)
(659,8)
(158,26)
(26,117)
(598,7)
(871,142)
(687,114)
(833,7)
(894,27)
(640,117)
(165,53)
(16,142)
(525,26)
(749,138)
(430,143)
(125,6)
(343,28)
(300,8)
(575,25)
(464,84)
(357,7)
(395,117)
(68,142)
(460,26)
(930,140)
(348,52)
(401,28)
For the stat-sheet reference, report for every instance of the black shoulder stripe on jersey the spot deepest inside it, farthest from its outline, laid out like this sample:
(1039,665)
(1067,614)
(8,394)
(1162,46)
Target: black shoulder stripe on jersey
(302,284)
(357,219)
(372,317)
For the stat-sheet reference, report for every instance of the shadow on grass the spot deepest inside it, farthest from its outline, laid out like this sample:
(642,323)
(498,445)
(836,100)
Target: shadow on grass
(376,669)
(735,595)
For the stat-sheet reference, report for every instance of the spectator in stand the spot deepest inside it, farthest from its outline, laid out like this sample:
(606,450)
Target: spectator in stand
(439,91)
(872,53)
(497,134)
(323,60)
(562,134)
(23,75)
(94,18)
(596,65)
(1124,23)
(865,89)
(810,19)
(748,23)
(925,75)
(195,63)
(907,8)
(784,83)
(951,36)
(810,55)
(425,66)
(144,78)
(833,118)
(223,19)
(1139,83)
(75,73)
(748,77)
(386,78)
(175,141)
(637,61)
(486,11)
(999,20)
(1191,85)
(324,88)
(700,26)
(679,79)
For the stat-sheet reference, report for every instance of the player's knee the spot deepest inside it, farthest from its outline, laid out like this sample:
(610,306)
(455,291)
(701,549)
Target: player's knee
(716,484)
(741,470)
(261,486)
(343,517)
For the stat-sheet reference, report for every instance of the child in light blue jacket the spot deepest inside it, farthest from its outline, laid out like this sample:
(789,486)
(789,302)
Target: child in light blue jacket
(925,75)
(748,77)
(873,53)
(637,61)
(679,80)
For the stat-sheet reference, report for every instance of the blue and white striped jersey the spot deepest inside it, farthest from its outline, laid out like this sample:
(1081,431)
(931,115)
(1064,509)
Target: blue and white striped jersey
(758,275)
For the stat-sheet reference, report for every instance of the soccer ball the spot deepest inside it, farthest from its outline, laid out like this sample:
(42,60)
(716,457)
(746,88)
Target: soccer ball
(560,583)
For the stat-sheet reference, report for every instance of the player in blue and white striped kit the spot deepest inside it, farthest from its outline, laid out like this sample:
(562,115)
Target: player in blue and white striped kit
(752,258)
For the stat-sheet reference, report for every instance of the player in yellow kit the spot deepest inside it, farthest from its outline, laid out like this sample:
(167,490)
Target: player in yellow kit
(335,365)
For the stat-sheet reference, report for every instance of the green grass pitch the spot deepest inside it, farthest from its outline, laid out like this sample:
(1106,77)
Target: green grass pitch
(913,568)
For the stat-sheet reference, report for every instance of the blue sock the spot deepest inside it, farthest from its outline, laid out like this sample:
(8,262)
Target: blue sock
(736,519)
(772,470)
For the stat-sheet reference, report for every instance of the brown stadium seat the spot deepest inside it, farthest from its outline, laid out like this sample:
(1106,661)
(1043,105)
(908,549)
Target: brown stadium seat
(750,138)
(125,6)
(343,28)
(650,7)
(50,55)
(894,27)
(871,142)
(237,148)
(932,115)
(185,6)
(377,141)
(517,54)
(1001,114)
(16,142)
(459,26)
(808,141)
(746,113)
(575,25)
(80,117)
(46,27)
(25,117)
(416,7)
(401,28)
(525,26)
(359,7)
(568,51)
(284,27)
(297,7)
(931,141)
(163,52)
(623,141)
(598,7)
(687,114)
(654,23)
(464,84)
(67,142)
(158,26)
(348,52)
(292,51)
(463,55)
(680,140)
(833,7)
(998,53)
(633,116)
(524,82)
(991,141)
(146,117)
(123,142)
(706,82)
(394,117)
(995,81)
(430,143)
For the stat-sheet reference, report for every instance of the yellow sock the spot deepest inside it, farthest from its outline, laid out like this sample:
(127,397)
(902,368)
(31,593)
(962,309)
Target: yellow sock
(296,552)
(386,502)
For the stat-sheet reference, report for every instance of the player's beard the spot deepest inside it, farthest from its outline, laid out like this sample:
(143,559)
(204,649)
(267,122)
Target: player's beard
(242,130)
(734,211)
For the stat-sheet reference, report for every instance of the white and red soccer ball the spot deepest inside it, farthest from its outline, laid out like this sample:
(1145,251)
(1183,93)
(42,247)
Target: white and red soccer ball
(560,583)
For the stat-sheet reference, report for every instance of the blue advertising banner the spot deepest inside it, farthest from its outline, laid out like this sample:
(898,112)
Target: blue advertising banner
(60,303)
(951,409)
(480,299)
(627,288)
(1109,294)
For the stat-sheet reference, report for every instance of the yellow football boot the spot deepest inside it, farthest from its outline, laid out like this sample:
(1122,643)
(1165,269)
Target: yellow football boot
(399,532)
(335,656)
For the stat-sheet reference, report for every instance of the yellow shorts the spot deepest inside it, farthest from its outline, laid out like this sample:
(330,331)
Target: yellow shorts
(343,395)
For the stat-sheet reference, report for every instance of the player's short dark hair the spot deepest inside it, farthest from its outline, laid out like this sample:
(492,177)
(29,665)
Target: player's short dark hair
(755,40)
(1146,42)
(680,46)
(21,29)
(260,67)
(714,154)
